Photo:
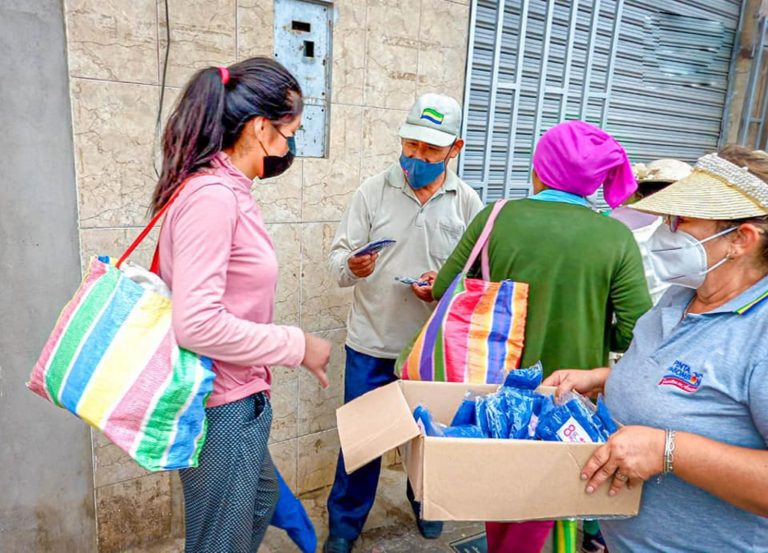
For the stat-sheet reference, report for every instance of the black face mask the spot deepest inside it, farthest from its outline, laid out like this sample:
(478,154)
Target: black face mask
(277,165)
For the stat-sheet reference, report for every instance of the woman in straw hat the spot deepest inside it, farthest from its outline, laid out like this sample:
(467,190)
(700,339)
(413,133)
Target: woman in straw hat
(691,390)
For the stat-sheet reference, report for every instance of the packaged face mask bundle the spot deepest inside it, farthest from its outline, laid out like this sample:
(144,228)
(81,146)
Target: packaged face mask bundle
(466,413)
(517,411)
(525,379)
(429,427)
(506,413)
(573,421)
(426,425)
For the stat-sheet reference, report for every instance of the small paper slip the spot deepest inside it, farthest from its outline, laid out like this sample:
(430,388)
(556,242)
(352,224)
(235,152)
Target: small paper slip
(373,247)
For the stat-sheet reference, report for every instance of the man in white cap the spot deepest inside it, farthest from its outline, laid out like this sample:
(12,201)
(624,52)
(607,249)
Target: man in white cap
(424,207)
(651,178)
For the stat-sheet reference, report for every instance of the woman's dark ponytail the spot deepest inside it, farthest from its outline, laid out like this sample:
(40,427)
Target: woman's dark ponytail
(210,116)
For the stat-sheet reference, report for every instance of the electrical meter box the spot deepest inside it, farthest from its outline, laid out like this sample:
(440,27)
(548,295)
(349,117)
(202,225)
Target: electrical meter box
(303,45)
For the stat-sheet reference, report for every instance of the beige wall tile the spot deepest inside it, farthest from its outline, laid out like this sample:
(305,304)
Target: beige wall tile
(111,465)
(328,187)
(280,198)
(317,407)
(349,32)
(113,242)
(255,28)
(112,39)
(285,404)
(443,47)
(287,241)
(324,305)
(392,53)
(285,457)
(134,513)
(317,460)
(114,128)
(202,34)
(381,143)
(329,183)
(171,96)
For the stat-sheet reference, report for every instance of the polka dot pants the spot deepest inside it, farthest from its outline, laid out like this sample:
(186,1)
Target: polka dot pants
(230,497)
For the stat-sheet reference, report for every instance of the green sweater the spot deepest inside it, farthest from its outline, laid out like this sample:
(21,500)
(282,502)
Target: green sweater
(587,284)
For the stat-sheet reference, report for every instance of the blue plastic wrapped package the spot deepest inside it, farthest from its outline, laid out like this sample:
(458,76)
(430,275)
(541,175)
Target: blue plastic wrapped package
(519,410)
(430,427)
(464,431)
(525,379)
(571,422)
(290,516)
(481,415)
(538,403)
(465,414)
(498,416)
(490,418)
(604,416)
(505,414)
(426,424)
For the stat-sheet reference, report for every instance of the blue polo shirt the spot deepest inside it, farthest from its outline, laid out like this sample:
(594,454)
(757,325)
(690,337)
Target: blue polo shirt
(706,374)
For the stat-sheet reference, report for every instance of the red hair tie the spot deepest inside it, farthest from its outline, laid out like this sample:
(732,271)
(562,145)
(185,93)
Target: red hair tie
(224,72)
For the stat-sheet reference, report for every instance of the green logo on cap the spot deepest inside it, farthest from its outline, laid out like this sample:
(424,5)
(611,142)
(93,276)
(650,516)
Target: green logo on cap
(433,116)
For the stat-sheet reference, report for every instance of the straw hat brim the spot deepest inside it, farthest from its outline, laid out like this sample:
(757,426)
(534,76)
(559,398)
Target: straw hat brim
(701,195)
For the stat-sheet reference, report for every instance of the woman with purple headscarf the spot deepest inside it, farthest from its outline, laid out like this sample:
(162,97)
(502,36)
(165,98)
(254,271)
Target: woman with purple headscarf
(587,284)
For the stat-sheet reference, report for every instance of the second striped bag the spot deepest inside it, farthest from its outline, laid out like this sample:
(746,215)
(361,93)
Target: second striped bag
(477,330)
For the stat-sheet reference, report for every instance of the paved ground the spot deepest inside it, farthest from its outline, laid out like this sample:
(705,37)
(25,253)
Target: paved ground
(390,527)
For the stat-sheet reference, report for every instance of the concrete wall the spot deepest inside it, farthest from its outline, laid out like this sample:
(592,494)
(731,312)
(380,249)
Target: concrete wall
(46,479)
(385,52)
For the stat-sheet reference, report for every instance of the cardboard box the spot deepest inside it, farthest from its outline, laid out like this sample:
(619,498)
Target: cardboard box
(472,479)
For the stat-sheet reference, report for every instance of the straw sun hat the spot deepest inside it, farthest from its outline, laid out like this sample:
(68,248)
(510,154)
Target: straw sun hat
(716,189)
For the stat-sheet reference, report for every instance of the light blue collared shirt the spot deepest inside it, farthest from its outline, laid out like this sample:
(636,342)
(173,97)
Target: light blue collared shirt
(706,374)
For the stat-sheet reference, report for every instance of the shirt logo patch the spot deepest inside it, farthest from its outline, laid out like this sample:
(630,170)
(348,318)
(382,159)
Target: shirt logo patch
(433,116)
(681,376)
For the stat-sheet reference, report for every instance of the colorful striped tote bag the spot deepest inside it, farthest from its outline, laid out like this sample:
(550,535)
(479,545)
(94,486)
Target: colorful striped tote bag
(477,330)
(113,361)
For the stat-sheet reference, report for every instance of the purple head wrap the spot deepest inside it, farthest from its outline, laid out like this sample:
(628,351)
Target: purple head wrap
(577,157)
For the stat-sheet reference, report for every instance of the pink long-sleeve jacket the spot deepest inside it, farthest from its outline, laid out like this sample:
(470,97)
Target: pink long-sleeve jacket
(218,259)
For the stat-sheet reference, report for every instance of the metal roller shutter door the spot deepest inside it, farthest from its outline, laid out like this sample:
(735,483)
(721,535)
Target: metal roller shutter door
(656,80)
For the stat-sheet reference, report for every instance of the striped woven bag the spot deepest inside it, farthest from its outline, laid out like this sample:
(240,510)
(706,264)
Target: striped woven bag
(112,360)
(476,332)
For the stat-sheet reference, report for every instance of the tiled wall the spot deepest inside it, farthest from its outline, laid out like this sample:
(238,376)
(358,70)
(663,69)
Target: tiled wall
(385,52)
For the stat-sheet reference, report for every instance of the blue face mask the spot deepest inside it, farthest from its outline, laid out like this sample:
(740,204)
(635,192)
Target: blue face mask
(420,173)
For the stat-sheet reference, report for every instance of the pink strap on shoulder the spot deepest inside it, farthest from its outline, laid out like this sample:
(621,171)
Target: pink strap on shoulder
(483,241)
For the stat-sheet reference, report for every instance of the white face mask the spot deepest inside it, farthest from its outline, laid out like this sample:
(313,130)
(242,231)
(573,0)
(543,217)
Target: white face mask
(679,258)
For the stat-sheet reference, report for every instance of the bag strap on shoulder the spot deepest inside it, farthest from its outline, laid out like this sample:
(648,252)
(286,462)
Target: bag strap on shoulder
(481,246)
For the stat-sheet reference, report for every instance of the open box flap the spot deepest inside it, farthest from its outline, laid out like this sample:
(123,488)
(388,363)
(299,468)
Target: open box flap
(374,423)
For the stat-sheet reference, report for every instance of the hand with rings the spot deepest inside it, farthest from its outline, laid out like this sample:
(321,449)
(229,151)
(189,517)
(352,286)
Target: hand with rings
(630,456)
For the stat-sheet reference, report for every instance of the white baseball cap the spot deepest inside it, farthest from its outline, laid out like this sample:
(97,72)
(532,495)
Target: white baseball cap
(661,171)
(434,119)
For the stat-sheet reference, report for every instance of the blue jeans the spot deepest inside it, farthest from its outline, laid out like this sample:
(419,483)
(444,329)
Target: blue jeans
(352,495)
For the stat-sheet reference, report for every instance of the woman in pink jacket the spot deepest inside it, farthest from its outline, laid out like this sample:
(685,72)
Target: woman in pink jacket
(230,126)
